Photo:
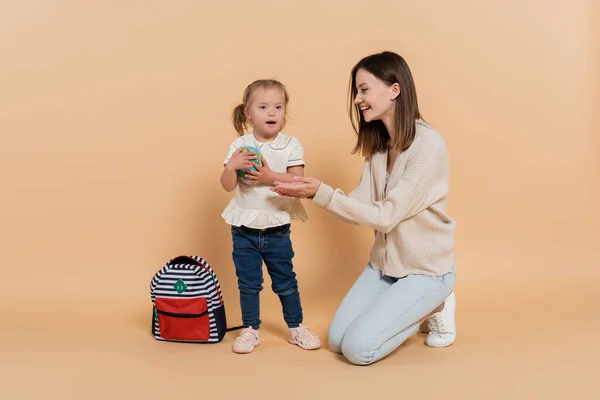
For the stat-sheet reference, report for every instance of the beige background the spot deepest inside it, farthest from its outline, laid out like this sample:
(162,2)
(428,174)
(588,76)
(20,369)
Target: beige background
(115,119)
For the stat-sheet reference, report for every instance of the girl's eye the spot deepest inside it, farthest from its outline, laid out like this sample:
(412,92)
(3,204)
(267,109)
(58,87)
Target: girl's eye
(279,107)
(262,107)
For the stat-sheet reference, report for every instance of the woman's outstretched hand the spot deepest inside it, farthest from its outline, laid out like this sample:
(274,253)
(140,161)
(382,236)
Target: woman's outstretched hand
(301,188)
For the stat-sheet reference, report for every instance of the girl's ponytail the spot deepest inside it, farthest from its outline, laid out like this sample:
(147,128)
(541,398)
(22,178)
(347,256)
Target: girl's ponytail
(239,119)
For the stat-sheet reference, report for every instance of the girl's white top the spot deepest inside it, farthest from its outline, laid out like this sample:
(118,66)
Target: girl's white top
(255,206)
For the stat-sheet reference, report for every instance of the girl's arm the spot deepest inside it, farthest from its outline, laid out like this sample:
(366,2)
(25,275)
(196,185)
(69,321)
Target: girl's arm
(296,170)
(237,161)
(295,165)
(266,176)
(229,179)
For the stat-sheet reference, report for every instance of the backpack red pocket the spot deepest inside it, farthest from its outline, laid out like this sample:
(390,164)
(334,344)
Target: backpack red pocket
(183,319)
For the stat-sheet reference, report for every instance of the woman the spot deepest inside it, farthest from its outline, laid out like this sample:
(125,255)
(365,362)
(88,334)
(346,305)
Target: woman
(402,195)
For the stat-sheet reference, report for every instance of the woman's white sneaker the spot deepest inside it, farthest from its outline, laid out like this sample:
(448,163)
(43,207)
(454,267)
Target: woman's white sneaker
(441,326)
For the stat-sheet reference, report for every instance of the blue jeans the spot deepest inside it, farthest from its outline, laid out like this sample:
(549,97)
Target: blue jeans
(273,246)
(379,313)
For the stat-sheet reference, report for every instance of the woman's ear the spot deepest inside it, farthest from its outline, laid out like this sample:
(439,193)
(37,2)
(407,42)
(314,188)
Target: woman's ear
(394,91)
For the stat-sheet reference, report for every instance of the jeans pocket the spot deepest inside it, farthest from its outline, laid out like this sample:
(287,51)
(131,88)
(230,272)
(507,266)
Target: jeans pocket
(284,232)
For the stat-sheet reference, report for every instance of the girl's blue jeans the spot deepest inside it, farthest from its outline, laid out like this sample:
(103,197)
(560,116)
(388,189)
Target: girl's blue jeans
(273,246)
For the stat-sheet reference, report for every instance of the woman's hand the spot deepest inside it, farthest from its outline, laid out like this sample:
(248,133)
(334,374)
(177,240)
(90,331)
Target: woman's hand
(302,187)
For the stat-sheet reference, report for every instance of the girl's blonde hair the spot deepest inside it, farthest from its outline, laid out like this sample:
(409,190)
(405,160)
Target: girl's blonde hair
(240,121)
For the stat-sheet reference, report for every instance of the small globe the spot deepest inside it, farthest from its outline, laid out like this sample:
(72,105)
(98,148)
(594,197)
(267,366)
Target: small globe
(258,160)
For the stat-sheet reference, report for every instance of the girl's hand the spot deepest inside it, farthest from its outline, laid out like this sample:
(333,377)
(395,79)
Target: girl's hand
(240,160)
(263,174)
(302,187)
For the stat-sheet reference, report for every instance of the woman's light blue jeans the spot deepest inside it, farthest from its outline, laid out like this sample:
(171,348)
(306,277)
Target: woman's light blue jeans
(379,313)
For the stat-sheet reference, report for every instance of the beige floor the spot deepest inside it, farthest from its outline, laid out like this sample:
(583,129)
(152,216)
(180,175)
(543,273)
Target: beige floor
(114,122)
(535,341)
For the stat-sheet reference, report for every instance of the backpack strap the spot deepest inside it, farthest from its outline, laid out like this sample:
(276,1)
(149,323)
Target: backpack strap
(204,265)
(235,328)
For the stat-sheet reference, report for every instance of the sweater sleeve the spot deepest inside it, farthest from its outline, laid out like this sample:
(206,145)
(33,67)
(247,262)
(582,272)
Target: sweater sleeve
(363,191)
(404,200)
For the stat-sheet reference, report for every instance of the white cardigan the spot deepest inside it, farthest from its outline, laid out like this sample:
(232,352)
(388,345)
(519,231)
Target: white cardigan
(413,233)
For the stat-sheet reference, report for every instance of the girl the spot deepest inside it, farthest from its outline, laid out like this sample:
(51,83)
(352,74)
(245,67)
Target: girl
(260,219)
(402,195)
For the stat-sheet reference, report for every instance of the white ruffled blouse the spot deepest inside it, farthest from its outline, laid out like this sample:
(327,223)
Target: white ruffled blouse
(255,206)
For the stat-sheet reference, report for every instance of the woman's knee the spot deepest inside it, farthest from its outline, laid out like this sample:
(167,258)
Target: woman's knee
(336,336)
(358,352)
(358,349)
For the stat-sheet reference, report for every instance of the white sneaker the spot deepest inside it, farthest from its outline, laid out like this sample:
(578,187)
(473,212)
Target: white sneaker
(441,326)
(246,341)
(304,338)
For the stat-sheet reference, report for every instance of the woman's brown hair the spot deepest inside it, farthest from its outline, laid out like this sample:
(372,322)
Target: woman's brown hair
(373,137)
(240,121)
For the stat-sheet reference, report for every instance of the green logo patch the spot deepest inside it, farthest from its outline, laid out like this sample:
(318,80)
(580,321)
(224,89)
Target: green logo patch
(180,286)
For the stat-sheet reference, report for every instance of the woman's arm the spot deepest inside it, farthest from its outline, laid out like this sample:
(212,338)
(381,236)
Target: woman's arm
(363,191)
(307,187)
(424,179)
(425,174)
(403,201)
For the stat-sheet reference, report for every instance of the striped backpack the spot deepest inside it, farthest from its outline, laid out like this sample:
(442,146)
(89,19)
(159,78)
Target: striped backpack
(187,303)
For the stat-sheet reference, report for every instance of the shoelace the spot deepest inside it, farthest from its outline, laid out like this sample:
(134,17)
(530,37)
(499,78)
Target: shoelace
(303,334)
(436,324)
(246,336)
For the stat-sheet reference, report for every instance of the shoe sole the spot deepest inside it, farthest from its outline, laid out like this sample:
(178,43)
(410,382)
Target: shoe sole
(249,351)
(441,346)
(301,346)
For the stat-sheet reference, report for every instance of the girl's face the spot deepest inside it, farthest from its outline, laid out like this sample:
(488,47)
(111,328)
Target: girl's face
(374,97)
(267,112)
